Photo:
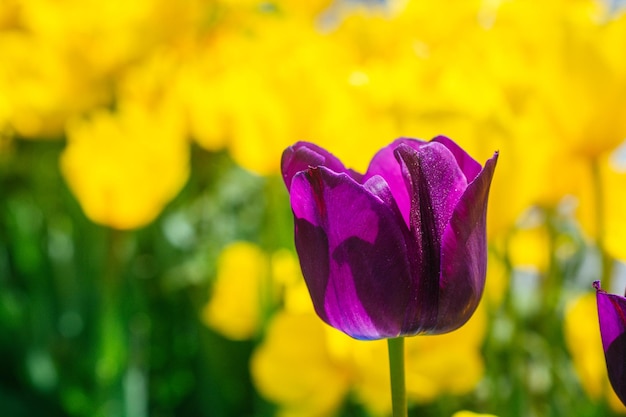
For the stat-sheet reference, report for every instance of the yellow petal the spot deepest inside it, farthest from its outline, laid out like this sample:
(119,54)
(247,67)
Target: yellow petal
(234,308)
(292,368)
(122,167)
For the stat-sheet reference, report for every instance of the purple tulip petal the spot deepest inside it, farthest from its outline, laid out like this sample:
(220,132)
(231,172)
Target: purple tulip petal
(464,254)
(612,317)
(379,187)
(352,251)
(436,184)
(304,155)
(385,164)
(441,176)
(468,165)
(400,250)
(425,248)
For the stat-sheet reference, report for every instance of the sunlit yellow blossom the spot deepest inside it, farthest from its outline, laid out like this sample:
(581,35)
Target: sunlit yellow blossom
(582,335)
(497,281)
(123,167)
(304,10)
(237,107)
(9,13)
(234,309)
(533,168)
(294,369)
(239,98)
(614,207)
(248,283)
(435,365)
(589,119)
(147,82)
(370,374)
(577,124)
(412,77)
(451,363)
(39,88)
(62,59)
(602,205)
(533,87)
(529,248)
(105,36)
(256,92)
(286,272)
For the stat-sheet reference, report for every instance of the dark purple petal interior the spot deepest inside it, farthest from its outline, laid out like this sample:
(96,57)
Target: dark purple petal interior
(425,240)
(464,254)
(352,251)
(616,366)
(612,317)
(440,177)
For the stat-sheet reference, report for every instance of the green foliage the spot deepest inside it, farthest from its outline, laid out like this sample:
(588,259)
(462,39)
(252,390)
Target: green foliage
(99,322)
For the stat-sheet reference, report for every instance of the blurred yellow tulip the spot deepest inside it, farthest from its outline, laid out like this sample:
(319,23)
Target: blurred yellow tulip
(294,369)
(39,88)
(529,248)
(436,365)
(248,284)
(234,309)
(123,167)
(602,205)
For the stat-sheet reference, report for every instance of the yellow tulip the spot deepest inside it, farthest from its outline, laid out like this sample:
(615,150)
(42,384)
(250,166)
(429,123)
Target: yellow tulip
(436,365)
(234,309)
(294,369)
(39,88)
(123,167)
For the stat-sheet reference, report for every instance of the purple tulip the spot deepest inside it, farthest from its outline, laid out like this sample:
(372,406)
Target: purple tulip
(398,251)
(612,317)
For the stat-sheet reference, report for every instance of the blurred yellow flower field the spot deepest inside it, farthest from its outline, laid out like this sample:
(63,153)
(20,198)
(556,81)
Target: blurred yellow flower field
(147,264)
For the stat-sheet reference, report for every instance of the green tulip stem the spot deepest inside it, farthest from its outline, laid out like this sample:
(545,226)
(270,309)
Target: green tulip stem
(396,372)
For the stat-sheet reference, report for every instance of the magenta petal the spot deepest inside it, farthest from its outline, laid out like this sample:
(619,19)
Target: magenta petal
(464,254)
(385,164)
(304,155)
(612,317)
(398,251)
(379,187)
(424,242)
(436,184)
(439,174)
(466,163)
(352,251)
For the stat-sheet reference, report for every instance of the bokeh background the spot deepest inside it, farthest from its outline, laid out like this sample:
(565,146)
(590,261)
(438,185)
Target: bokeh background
(146,258)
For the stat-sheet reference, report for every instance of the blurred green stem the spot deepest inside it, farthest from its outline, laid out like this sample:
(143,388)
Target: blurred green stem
(112,343)
(396,372)
(266,297)
(276,223)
